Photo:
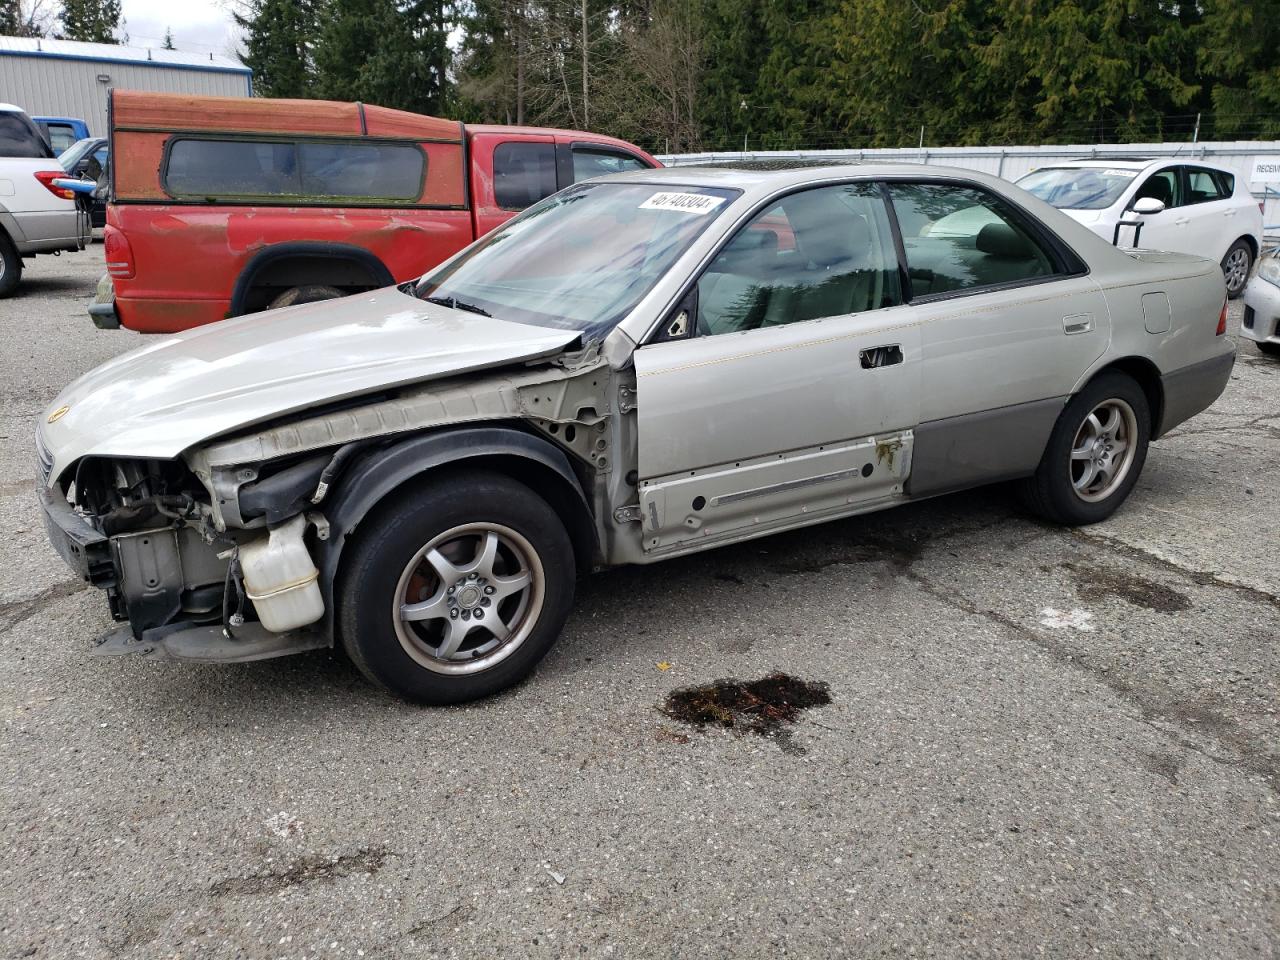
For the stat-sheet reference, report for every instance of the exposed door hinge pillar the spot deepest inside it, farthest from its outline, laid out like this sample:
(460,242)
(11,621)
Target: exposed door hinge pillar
(628,514)
(626,399)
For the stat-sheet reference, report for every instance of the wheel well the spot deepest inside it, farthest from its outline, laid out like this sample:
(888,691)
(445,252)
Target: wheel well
(351,270)
(548,484)
(1253,245)
(1148,377)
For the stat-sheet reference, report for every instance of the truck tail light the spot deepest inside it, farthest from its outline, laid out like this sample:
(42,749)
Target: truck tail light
(118,253)
(46,177)
(1222,320)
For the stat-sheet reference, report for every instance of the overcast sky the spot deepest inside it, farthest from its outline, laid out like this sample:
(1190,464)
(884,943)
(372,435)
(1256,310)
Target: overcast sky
(199,26)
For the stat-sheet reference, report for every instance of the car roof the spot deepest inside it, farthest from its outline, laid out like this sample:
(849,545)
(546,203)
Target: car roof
(1130,163)
(758,179)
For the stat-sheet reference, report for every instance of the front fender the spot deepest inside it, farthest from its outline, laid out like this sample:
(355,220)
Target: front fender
(380,472)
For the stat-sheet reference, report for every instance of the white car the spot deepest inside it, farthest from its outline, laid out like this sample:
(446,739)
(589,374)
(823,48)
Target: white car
(1261,322)
(35,215)
(1182,207)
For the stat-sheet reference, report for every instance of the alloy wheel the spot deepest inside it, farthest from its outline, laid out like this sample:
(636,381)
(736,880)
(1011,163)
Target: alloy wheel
(1103,450)
(469,598)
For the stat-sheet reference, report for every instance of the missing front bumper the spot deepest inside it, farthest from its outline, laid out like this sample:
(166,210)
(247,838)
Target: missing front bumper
(207,644)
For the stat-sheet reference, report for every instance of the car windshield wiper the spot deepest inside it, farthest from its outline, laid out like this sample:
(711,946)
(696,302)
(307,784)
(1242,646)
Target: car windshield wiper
(454,303)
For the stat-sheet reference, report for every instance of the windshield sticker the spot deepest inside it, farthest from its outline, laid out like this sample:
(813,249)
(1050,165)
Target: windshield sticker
(695,203)
(1119,173)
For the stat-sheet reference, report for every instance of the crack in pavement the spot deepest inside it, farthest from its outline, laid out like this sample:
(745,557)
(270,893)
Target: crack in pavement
(1189,719)
(309,869)
(15,612)
(1204,578)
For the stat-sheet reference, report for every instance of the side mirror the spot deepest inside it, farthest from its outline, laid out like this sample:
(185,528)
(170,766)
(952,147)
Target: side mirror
(1148,205)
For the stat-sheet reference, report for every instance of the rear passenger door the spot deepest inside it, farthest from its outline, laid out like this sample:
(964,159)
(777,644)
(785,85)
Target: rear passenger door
(791,383)
(1211,211)
(1010,321)
(509,174)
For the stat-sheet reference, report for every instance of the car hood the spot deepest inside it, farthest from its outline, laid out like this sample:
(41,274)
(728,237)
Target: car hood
(162,399)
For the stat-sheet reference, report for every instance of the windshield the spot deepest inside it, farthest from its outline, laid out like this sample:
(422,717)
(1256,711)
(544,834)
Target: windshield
(581,259)
(1078,188)
(75,153)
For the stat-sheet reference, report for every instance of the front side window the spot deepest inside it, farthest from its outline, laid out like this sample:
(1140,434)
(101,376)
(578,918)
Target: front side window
(250,169)
(1203,186)
(19,137)
(598,163)
(961,237)
(523,173)
(824,252)
(1163,186)
(580,260)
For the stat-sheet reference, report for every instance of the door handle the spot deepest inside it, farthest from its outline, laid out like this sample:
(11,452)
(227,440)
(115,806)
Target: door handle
(1183,222)
(885,356)
(1077,323)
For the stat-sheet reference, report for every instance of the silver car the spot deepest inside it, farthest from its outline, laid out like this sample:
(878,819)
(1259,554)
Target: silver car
(639,367)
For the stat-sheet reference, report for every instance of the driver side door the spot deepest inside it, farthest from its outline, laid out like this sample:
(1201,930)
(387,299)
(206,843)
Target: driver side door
(792,393)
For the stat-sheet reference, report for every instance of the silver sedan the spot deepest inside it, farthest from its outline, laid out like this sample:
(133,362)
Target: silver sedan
(639,367)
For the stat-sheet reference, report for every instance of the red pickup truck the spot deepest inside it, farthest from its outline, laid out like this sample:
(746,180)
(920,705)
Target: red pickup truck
(223,206)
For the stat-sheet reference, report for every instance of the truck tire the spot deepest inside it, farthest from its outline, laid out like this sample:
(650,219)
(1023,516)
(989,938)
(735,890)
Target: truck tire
(455,588)
(310,293)
(10,267)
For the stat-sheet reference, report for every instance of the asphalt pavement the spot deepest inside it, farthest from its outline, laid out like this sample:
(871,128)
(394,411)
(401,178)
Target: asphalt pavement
(1040,741)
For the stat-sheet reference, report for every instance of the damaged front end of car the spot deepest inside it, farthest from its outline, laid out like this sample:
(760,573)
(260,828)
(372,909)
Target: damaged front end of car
(228,553)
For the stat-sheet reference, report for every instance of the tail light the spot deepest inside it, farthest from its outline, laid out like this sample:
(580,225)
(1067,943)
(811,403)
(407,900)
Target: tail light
(1222,320)
(46,177)
(117,252)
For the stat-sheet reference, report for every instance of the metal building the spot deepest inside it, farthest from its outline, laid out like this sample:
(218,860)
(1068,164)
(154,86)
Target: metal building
(65,78)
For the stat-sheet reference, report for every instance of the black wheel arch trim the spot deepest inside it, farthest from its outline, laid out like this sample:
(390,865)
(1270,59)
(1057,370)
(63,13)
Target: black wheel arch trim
(305,249)
(383,470)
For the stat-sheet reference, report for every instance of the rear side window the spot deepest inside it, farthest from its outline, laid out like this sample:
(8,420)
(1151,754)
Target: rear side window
(19,137)
(257,169)
(523,174)
(1204,186)
(959,237)
(598,163)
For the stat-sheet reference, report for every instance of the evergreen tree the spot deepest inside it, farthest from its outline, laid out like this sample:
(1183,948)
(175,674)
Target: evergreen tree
(95,21)
(367,51)
(168,39)
(279,37)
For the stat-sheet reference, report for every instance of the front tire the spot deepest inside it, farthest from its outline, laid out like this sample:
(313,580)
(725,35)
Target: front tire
(1095,453)
(456,589)
(1236,266)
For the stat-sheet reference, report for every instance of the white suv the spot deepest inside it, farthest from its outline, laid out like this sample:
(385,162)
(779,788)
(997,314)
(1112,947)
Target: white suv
(35,216)
(1182,207)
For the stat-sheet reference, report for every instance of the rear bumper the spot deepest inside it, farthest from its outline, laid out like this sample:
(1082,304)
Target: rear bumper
(1262,312)
(1195,387)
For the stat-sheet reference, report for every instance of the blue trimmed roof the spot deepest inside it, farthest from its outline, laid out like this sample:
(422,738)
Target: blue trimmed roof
(114,53)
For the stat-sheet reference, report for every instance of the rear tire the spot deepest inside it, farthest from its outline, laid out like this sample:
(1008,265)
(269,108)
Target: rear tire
(1095,453)
(10,267)
(309,293)
(455,589)
(1236,266)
